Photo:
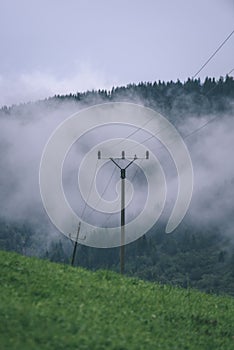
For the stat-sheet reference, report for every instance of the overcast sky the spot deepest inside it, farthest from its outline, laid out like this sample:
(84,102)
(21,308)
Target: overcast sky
(61,46)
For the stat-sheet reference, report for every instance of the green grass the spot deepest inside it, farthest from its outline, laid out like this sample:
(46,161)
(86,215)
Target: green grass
(52,306)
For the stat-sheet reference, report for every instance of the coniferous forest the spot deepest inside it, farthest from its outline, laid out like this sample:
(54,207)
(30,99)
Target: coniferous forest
(199,254)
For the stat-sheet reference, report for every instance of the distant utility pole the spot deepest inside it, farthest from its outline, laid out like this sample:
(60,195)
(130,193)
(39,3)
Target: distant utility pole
(75,245)
(122,213)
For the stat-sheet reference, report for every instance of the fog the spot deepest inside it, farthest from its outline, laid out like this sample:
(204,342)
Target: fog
(26,129)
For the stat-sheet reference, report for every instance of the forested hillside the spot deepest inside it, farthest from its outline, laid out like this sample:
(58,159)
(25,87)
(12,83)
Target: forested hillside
(174,99)
(200,253)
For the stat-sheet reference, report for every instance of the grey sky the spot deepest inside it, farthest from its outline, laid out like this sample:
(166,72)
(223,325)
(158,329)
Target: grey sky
(61,46)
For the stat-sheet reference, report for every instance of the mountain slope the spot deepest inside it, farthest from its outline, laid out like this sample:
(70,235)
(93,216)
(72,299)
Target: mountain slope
(53,306)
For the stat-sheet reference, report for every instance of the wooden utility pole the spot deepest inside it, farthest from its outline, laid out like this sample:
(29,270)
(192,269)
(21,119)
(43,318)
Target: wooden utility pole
(122,247)
(75,245)
(123,177)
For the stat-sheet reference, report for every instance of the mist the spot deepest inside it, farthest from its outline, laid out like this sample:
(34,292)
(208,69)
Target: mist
(26,129)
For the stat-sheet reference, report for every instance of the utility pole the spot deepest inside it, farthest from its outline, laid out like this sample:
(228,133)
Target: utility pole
(122,213)
(75,245)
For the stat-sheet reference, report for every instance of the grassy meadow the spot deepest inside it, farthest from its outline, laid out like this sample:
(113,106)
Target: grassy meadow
(48,306)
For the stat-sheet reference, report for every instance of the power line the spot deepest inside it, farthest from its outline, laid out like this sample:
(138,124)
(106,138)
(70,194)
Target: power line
(134,132)
(188,135)
(90,188)
(216,51)
(184,137)
(203,66)
(144,124)
(79,224)
(201,127)
(82,214)
(141,128)
(104,191)
(133,177)
(106,187)
(214,87)
(158,132)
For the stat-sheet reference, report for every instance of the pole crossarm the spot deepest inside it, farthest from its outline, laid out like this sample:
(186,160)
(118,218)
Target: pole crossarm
(120,166)
(115,162)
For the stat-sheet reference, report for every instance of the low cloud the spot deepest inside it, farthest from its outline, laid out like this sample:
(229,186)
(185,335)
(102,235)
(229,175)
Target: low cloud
(26,130)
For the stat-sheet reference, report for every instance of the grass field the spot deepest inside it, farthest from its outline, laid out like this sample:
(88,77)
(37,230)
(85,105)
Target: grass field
(52,306)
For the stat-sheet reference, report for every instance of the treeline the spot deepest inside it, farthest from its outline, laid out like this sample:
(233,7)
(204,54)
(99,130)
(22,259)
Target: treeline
(187,258)
(173,99)
(202,258)
(161,90)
